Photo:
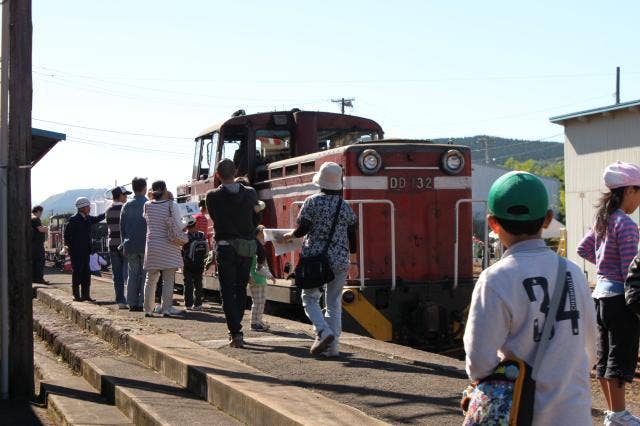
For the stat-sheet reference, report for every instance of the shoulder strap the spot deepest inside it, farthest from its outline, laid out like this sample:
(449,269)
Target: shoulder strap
(333,226)
(561,282)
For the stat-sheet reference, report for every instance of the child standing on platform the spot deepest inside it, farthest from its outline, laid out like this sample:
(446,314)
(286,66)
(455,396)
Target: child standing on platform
(509,306)
(611,245)
(194,253)
(96,262)
(258,283)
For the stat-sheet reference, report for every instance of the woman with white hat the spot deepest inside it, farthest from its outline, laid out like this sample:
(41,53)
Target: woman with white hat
(315,221)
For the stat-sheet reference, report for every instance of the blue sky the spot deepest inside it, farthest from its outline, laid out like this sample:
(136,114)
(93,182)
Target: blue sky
(422,69)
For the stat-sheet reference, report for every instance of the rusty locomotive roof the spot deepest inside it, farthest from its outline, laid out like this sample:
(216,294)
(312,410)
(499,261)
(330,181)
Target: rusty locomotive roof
(325,120)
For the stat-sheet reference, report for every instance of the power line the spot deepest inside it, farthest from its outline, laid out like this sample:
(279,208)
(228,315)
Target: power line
(155,89)
(365,81)
(111,130)
(125,147)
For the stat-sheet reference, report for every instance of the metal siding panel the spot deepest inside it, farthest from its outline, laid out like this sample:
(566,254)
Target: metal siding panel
(590,146)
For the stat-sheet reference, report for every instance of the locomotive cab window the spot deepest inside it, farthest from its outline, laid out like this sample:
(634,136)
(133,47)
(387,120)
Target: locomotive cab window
(234,147)
(328,139)
(205,155)
(272,145)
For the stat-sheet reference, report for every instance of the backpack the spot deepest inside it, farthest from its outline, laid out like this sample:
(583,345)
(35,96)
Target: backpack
(197,249)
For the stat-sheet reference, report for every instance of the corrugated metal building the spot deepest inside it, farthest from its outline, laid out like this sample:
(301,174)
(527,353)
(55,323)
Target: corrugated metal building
(483,176)
(594,139)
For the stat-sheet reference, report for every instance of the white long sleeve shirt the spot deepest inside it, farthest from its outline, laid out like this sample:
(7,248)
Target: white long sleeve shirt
(505,317)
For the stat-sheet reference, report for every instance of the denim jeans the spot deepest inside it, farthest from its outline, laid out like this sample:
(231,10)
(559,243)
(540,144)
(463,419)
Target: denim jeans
(120,273)
(168,277)
(233,273)
(331,320)
(135,279)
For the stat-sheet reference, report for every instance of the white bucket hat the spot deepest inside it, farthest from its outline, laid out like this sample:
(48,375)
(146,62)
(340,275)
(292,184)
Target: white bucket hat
(329,176)
(82,202)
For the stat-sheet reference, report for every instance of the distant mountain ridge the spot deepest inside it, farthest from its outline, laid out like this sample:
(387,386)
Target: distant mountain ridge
(501,149)
(65,201)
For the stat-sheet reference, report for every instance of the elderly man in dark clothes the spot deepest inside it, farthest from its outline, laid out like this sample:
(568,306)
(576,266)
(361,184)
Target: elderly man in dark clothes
(77,239)
(231,207)
(38,235)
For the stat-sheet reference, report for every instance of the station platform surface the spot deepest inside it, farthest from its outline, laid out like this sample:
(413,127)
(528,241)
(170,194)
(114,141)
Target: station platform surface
(385,382)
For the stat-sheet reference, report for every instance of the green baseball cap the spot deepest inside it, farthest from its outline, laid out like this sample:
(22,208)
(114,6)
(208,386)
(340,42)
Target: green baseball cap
(518,196)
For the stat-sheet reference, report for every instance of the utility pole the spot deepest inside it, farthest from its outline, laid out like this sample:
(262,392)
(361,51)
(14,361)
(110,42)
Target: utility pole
(485,142)
(344,102)
(19,199)
(617,85)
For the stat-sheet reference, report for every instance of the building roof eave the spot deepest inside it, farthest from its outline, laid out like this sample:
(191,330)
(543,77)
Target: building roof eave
(560,119)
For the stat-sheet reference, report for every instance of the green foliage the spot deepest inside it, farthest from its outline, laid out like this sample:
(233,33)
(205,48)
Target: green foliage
(554,169)
(500,149)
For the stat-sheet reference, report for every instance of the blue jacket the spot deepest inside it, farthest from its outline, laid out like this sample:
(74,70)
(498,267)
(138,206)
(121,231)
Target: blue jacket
(133,226)
(77,234)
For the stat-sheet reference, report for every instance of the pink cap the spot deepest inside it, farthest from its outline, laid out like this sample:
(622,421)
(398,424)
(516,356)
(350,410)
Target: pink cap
(621,174)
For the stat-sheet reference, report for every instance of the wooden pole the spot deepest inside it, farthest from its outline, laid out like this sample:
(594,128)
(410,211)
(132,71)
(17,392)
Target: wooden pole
(19,201)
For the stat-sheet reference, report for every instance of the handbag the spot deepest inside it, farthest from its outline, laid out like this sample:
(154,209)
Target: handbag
(175,235)
(507,395)
(315,271)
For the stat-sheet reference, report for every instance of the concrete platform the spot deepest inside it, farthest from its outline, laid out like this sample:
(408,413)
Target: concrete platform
(70,399)
(142,395)
(375,380)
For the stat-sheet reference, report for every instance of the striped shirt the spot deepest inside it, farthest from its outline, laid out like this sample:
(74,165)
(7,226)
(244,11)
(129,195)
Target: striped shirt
(159,252)
(612,254)
(113,226)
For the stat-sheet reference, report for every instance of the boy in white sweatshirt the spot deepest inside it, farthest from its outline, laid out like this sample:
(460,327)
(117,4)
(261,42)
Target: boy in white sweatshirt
(511,298)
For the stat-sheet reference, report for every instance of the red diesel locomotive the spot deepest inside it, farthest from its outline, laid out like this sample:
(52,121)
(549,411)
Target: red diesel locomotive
(405,193)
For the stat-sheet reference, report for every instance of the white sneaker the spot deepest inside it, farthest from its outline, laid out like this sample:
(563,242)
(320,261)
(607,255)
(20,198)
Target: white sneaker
(332,352)
(622,418)
(173,311)
(157,309)
(123,306)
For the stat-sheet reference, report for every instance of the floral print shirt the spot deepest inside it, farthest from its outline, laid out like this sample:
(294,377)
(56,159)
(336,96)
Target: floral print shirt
(320,209)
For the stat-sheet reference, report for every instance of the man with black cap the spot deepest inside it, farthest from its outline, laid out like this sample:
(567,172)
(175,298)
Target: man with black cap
(77,239)
(118,261)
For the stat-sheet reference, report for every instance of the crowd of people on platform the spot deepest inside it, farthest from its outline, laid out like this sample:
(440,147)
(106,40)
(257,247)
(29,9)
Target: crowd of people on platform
(149,241)
(510,303)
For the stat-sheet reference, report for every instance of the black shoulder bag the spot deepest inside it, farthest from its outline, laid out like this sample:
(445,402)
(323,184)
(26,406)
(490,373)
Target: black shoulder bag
(315,271)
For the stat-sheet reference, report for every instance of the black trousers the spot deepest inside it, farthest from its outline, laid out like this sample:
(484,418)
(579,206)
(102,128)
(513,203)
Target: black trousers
(81,276)
(192,283)
(233,273)
(37,263)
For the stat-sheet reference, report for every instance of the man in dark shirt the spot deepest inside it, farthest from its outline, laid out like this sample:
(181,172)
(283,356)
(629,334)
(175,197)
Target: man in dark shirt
(38,234)
(77,239)
(231,207)
(118,261)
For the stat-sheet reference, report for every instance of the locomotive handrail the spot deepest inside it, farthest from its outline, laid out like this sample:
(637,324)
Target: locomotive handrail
(360,203)
(456,242)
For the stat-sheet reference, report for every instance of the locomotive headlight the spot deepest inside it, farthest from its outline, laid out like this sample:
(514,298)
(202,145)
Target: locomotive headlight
(369,162)
(452,161)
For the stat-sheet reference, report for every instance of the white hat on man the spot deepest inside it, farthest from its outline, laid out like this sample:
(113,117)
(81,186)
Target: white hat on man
(82,202)
(329,176)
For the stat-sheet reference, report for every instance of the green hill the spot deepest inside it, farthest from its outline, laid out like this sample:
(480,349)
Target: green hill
(501,149)
(65,201)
